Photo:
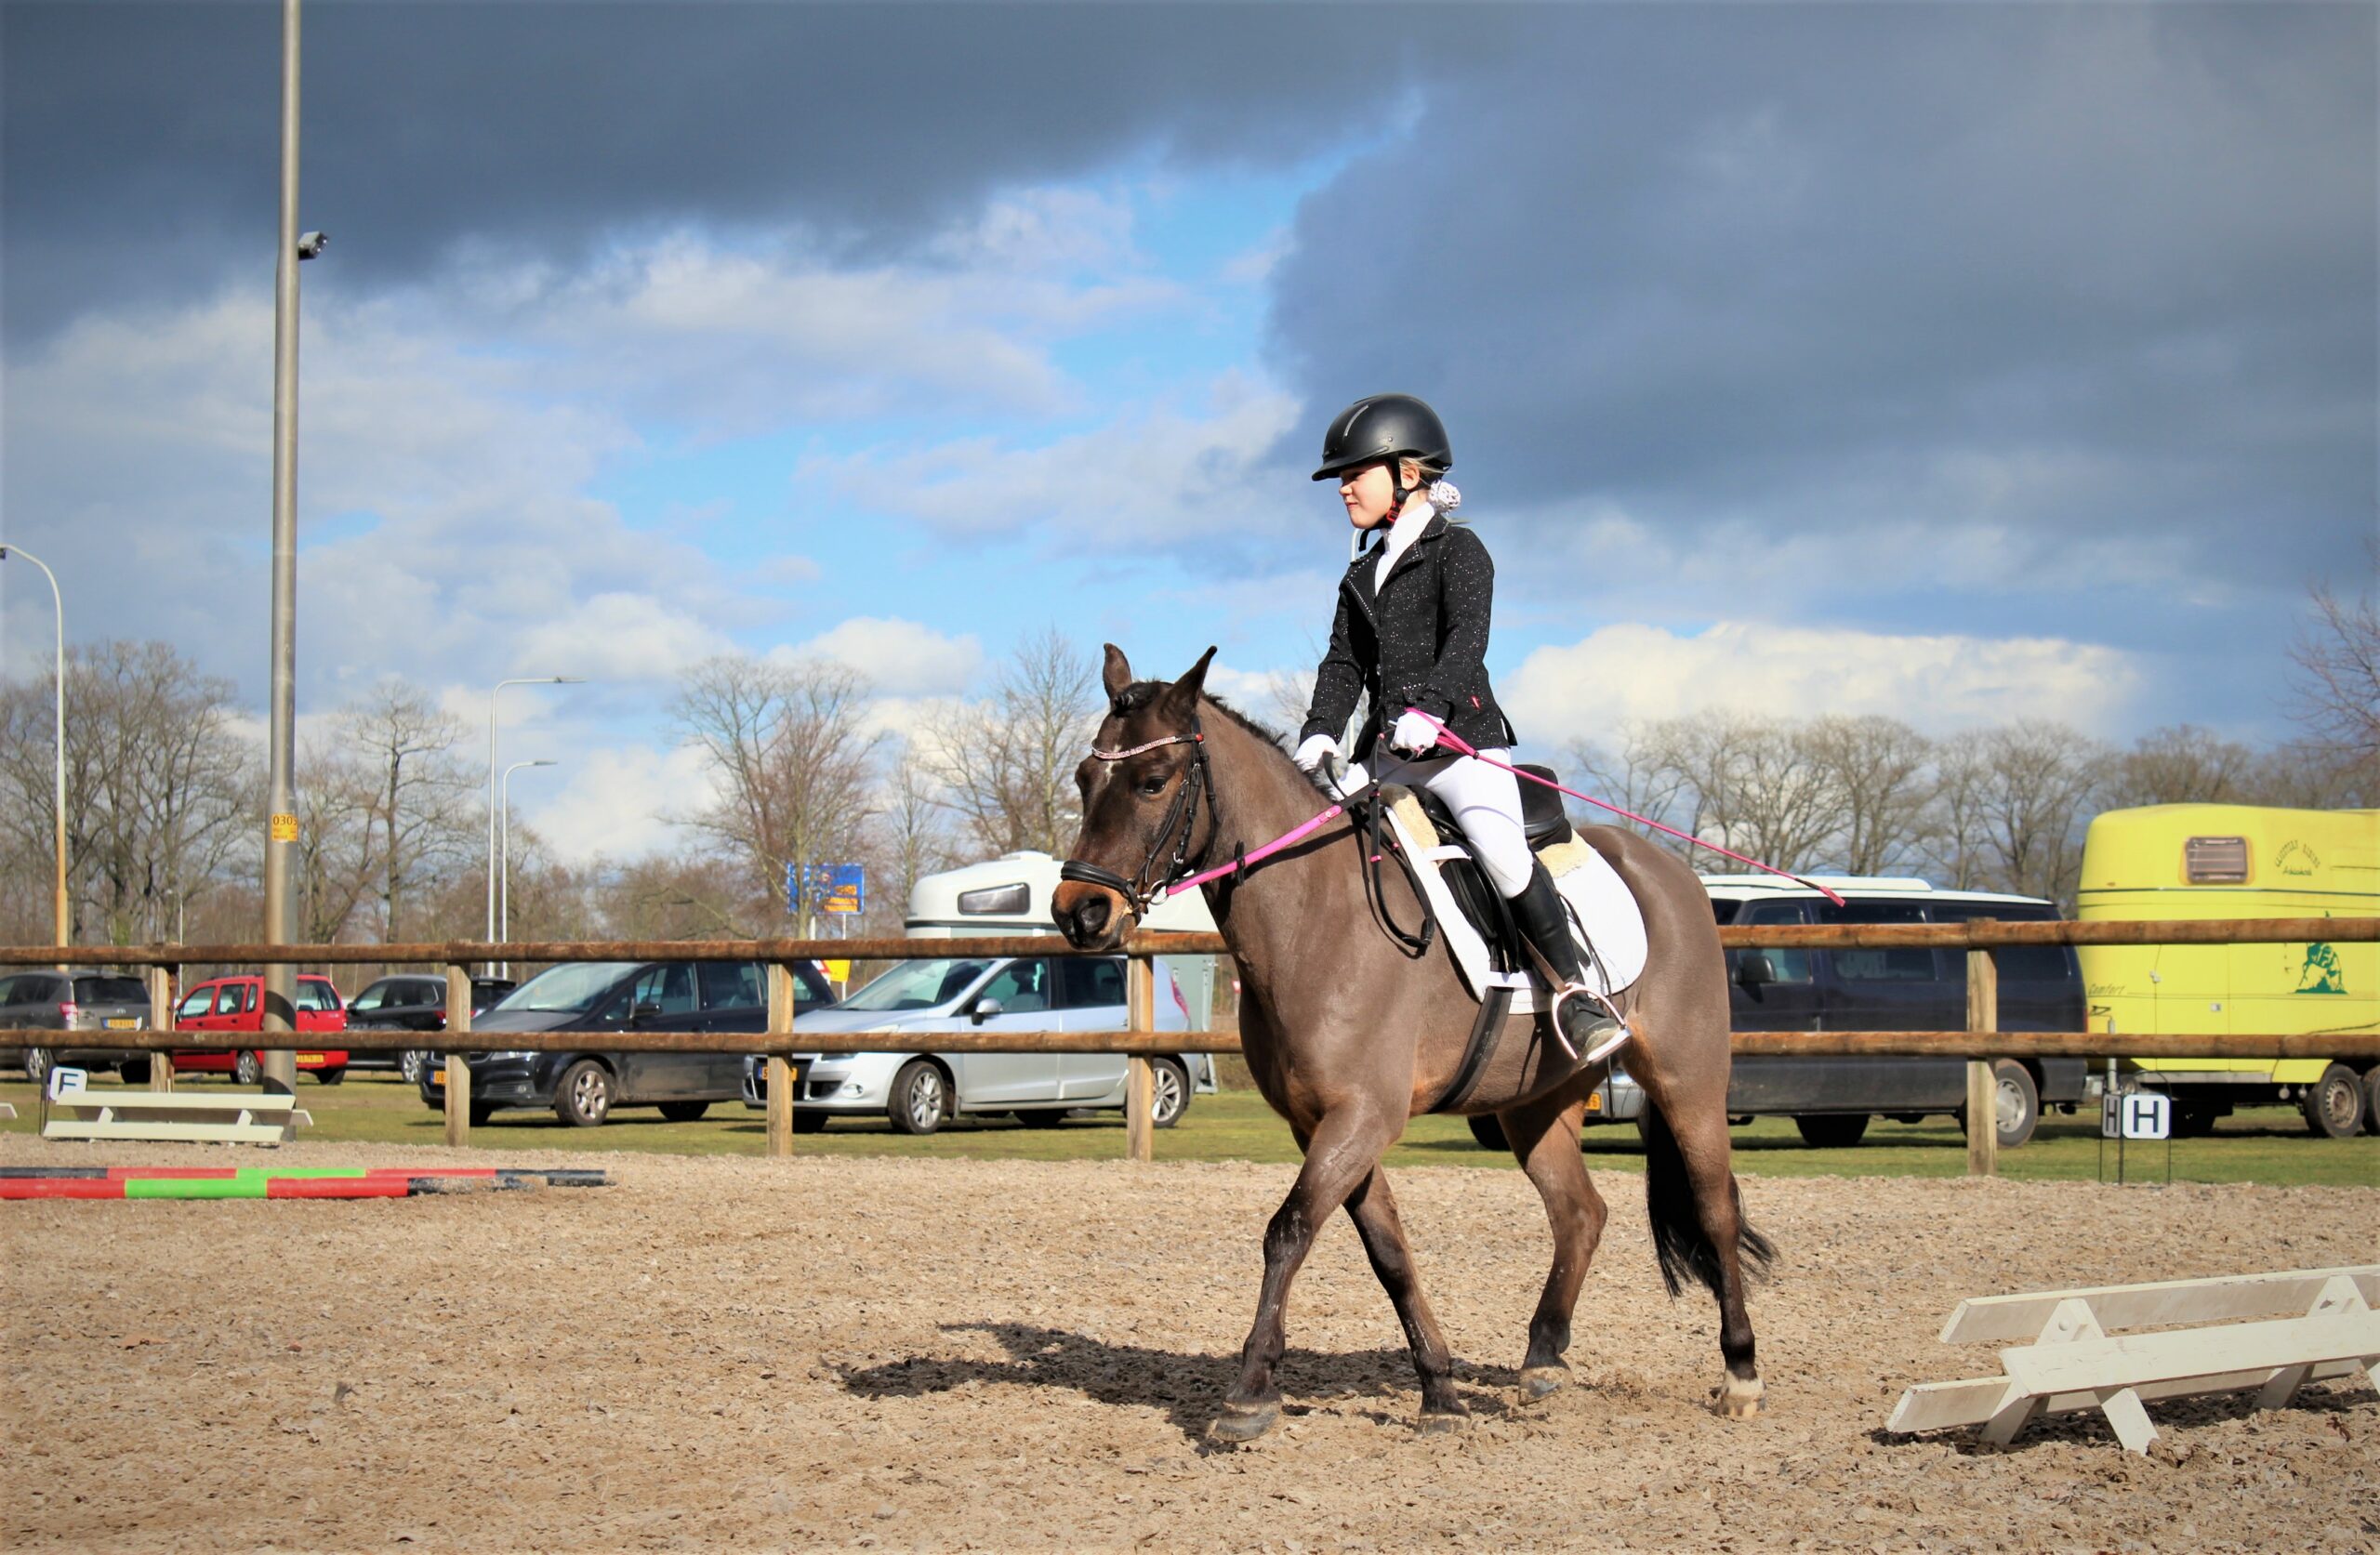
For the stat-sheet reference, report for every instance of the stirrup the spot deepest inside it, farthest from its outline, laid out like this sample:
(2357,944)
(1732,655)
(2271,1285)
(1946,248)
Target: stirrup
(1606,1033)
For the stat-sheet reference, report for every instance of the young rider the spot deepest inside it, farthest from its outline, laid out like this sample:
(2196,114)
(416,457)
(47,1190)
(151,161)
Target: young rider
(1412,632)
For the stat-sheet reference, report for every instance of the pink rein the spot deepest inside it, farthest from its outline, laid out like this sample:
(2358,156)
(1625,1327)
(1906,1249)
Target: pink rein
(1449,738)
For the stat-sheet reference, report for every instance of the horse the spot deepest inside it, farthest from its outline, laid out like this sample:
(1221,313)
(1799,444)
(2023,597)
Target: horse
(1349,1035)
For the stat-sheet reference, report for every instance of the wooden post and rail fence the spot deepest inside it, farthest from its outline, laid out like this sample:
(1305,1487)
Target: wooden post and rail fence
(1981,1044)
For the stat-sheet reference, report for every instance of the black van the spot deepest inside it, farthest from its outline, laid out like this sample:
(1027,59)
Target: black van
(584,1086)
(1831,1100)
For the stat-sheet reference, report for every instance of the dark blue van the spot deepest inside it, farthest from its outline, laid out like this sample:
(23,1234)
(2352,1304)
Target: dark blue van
(1832,1100)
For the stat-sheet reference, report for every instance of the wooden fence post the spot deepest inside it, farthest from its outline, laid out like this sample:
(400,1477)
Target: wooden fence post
(1983,1085)
(780,1072)
(164,985)
(458,1075)
(1140,1005)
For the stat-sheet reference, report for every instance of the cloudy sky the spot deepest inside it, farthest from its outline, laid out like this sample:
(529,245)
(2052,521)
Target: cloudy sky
(1954,362)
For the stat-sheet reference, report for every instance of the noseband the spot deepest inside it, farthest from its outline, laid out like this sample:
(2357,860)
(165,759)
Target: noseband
(1138,890)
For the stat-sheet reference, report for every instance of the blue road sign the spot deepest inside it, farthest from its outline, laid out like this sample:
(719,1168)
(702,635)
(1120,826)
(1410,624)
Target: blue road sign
(830,888)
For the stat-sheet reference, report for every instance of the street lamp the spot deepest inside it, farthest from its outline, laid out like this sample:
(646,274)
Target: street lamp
(504,847)
(521,680)
(65,928)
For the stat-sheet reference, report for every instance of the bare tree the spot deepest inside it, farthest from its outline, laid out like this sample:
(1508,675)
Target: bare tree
(2026,792)
(911,837)
(1639,771)
(2303,774)
(1756,788)
(1878,774)
(2337,659)
(662,898)
(417,826)
(791,755)
(1006,765)
(332,867)
(156,782)
(2183,764)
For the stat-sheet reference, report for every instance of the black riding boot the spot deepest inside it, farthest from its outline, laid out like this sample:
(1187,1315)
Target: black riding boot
(1580,1024)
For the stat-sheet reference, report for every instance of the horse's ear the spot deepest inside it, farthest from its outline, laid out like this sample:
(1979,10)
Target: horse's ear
(1117,673)
(1184,693)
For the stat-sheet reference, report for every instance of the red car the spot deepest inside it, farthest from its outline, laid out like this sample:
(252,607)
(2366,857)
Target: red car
(236,1004)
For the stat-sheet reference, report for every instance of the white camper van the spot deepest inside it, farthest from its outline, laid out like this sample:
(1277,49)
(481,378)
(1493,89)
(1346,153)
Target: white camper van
(917,1090)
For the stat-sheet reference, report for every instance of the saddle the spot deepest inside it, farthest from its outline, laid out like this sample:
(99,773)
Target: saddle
(1438,839)
(1470,916)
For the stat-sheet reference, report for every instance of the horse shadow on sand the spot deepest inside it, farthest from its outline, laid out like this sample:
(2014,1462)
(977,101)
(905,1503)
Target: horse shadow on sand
(1189,1388)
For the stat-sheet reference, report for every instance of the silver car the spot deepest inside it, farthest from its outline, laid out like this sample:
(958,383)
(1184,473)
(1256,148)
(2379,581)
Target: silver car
(78,1005)
(918,1089)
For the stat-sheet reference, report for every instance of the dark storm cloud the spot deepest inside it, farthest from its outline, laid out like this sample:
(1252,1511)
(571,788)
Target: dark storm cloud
(142,139)
(2094,273)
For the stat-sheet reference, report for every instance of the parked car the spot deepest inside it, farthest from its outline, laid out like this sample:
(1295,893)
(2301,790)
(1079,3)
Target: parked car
(584,1086)
(71,1003)
(236,1004)
(918,1089)
(412,1002)
(1901,988)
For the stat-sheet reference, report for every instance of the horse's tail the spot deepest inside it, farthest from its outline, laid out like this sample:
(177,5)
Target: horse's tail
(1683,1247)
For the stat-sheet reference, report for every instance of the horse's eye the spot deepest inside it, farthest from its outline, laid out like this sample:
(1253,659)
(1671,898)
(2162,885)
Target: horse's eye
(1152,787)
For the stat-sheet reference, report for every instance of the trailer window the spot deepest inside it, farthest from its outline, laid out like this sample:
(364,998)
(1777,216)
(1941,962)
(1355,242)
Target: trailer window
(2216,861)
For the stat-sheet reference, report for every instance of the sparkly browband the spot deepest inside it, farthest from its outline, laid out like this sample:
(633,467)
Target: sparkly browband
(1168,739)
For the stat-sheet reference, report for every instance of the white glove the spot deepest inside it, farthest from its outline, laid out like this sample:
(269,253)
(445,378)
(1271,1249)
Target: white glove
(1414,733)
(1310,755)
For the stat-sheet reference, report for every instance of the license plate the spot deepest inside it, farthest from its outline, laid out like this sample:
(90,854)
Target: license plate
(437,1075)
(310,1058)
(1594,1101)
(121,1023)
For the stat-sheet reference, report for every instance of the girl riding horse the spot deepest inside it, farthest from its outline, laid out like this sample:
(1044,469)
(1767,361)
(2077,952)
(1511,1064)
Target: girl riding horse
(1411,633)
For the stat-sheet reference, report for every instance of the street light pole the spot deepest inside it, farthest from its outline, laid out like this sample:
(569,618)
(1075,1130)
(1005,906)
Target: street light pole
(58,603)
(519,680)
(279,1062)
(504,845)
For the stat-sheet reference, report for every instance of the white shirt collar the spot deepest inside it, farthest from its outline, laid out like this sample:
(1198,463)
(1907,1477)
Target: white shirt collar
(1401,535)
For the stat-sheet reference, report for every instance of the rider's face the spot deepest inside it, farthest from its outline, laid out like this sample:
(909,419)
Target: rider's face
(1368,492)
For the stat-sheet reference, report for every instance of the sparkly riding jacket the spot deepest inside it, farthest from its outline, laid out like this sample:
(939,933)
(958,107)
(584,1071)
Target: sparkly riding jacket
(1420,640)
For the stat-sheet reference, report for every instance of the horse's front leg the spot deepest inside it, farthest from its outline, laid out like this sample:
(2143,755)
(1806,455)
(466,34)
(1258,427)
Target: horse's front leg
(1374,1211)
(1340,1154)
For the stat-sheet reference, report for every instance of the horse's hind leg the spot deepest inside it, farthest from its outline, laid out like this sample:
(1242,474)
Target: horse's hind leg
(1544,1136)
(1374,1212)
(1699,1229)
(1341,1153)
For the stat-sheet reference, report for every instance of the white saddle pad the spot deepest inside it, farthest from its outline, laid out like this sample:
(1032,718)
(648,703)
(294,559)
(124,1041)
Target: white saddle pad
(1608,924)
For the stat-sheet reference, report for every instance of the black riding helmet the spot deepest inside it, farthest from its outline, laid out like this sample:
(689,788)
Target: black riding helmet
(1385,426)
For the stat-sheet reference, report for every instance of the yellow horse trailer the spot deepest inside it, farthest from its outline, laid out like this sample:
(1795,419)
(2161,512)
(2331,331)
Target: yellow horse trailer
(2166,863)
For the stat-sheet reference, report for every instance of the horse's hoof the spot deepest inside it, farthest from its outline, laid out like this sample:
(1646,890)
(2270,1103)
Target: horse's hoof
(1739,1400)
(1244,1422)
(1442,1422)
(1542,1382)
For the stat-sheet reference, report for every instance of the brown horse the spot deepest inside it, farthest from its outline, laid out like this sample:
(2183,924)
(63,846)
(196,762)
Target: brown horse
(1348,1035)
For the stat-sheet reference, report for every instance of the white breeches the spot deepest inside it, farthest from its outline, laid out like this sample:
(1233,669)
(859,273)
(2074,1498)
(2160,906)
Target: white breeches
(1485,801)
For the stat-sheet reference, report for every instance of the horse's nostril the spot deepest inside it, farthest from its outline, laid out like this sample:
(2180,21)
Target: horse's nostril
(1091,917)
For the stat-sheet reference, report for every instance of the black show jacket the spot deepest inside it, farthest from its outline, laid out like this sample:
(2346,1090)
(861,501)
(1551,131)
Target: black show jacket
(1420,641)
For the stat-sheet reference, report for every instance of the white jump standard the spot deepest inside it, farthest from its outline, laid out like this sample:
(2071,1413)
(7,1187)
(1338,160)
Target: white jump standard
(2273,1333)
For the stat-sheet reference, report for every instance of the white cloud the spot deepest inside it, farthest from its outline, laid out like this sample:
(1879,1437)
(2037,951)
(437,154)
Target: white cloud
(618,802)
(900,658)
(1158,476)
(1621,673)
(620,636)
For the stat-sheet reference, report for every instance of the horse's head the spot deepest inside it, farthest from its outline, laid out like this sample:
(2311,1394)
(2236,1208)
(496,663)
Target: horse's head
(1147,803)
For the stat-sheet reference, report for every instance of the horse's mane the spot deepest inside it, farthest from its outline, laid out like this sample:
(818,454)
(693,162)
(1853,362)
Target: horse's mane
(1140,693)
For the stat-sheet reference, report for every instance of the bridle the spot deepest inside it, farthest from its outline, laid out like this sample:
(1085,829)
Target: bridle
(1139,890)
